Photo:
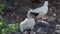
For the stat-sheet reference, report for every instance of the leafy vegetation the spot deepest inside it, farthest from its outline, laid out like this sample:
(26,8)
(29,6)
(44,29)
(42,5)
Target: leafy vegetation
(2,6)
(13,27)
(6,28)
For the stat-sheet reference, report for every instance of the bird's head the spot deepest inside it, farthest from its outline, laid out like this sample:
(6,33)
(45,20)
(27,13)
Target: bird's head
(29,14)
(46,3)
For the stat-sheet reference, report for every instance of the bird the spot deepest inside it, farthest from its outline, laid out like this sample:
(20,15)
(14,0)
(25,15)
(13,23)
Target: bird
(41,10)
(28,23)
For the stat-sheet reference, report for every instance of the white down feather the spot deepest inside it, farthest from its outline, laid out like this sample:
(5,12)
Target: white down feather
(28,23)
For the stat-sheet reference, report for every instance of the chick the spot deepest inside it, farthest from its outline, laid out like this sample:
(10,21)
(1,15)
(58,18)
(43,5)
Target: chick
(28,23)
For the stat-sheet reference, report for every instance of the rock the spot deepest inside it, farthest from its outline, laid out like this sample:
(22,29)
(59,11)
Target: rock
(51,19)
(58,19)
(17,33)
(44,23)
(54,14)
(40,0)
(58,27)
(32,32)
(42,30)
(45,17)
(39,29)
(25,32)
(57,32)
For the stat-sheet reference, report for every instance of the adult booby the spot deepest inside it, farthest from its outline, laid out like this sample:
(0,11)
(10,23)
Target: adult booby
(41,10)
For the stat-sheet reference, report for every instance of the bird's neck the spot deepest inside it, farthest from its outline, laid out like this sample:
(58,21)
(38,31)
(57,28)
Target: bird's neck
(29,14)
(45,5)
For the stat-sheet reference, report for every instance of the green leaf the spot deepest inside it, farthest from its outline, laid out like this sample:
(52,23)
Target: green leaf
(13,27)
(2,6)
(3,25)
(0,33)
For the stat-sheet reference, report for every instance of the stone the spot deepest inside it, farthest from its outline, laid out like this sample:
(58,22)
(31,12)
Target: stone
(57,32)
(58,27)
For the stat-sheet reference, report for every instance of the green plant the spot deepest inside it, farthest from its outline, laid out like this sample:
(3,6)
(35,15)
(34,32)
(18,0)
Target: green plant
(13,27)
(6,28)
(2,6)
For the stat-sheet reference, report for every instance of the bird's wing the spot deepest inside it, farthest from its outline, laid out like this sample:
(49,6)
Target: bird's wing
(38,10)
(25,21)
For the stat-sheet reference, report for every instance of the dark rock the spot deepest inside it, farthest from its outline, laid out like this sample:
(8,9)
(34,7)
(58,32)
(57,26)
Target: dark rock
(58,27)
(57,32)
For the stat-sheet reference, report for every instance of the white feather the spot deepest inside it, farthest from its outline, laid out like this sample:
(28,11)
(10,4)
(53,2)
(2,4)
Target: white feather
(28,23)
(42,10)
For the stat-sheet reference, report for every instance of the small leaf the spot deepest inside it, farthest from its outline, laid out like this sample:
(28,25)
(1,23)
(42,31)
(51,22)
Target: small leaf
(2,6)
(13,27)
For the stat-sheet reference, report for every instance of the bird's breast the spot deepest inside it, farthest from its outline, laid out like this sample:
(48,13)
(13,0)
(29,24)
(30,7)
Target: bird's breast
(28,23)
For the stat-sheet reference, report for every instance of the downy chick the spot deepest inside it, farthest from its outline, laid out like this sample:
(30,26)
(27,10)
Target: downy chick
(28,23)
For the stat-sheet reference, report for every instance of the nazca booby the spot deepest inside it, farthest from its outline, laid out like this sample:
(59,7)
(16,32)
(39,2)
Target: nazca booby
(41,10)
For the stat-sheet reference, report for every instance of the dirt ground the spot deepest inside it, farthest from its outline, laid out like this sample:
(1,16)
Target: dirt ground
(16,11)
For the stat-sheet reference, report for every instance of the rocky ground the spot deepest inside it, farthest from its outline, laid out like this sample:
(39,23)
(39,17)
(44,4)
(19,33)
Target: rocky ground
(16,11)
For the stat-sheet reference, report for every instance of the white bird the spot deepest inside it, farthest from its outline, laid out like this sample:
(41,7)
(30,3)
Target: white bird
(41,10)
(28,23)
